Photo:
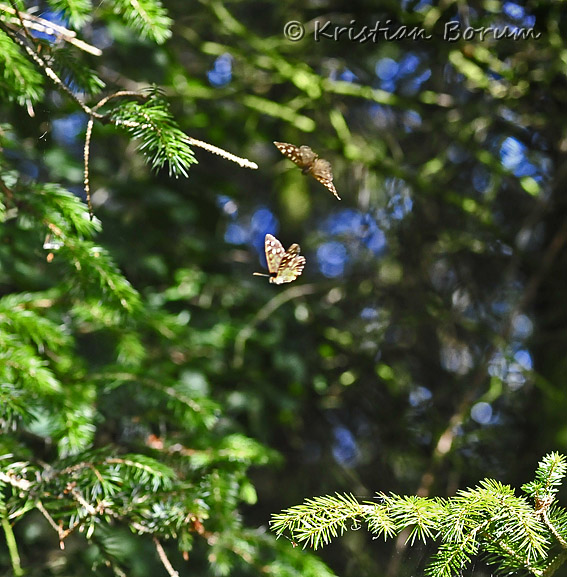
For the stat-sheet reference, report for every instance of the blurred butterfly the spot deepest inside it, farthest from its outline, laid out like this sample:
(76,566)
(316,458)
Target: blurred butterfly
(284,265)
(309,162)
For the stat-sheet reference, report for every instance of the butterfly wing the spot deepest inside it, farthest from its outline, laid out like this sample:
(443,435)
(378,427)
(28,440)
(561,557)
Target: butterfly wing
(322,171)
(308,160)
(290,151)
(274,253)
(290,267)
(303,156)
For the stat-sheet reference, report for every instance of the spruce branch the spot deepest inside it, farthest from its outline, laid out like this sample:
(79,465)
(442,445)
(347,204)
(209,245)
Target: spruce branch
(149,121)
(48,70)
(84,489)
(418,513)
(95,270)
(22,82)
(489,521)
(549,476)
(319,519)
(161,140)
(146,17)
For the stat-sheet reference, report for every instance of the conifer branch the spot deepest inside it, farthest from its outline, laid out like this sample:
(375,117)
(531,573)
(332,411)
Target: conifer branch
(553,530)
(161,140)
(488,520)
(48,70)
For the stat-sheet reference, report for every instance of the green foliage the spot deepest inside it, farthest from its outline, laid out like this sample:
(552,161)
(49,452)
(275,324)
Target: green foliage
(319,520)
(50,396)
(161,140)
(56,407)
(75,74)
(79,12)
(489,521)
(549,476)
(146,17)
(19,80)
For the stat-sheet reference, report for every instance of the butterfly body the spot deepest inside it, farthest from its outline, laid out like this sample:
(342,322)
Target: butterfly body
(284,265)
(310,163)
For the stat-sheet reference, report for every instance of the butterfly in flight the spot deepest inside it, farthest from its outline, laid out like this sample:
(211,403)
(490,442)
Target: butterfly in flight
(284,265)
(310,163)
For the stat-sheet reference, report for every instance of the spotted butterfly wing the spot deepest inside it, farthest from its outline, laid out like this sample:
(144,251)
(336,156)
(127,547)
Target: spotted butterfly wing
(284,265)
(290,267)
(309,162)
(274,253)
(322,171)
(303,156)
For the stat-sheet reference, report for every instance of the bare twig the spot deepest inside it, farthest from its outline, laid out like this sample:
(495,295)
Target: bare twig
(29,21)
(20,20)
(243,162)
(163,558)
(86,157)
(43,511)
(22,484)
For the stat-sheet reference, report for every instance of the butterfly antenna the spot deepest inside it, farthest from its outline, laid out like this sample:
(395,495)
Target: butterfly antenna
(260,274)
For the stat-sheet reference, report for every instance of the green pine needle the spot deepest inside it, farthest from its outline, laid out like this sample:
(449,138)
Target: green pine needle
(489,521)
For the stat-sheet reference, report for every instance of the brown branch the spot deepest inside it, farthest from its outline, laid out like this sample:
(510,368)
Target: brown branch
(22,484)
(243,162)
(163,558)
(553,530)
(29,21)
(56,527)
(86,157)
(20,19)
